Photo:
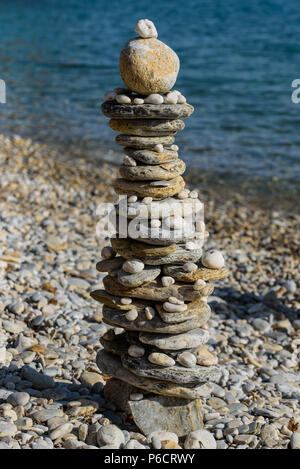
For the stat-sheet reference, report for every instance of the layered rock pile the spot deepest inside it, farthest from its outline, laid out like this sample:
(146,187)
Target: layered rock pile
(158,278)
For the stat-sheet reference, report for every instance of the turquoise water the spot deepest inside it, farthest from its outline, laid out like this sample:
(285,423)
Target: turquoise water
(238,60)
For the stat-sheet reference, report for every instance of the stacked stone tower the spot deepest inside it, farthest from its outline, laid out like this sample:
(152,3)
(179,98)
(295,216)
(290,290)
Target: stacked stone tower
(158,278)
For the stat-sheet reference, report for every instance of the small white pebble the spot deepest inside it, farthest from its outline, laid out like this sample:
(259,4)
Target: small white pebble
(108,252)
(110,96)
(123,99)
(181,99)
(171,98)
(167,281)
(171,308)
(155,223)
(194,195)
(133,266)
(187,359)
(136,351)
(174,147)
(190,246)
(159,148)
(189,267)
(128,161)
(126,301)
(183,194)
(118,330)
(145,28)
(213,259)
(136,397)
(199,284)
(131,315)
(154,99)
(175,301)
(149,313)
(132,199)
(138,101)
(147,200)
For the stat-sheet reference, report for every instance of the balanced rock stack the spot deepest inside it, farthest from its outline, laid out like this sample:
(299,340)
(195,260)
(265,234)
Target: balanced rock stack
(158,278)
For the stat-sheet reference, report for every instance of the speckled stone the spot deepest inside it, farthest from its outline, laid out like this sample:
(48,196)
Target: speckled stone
(203,273)
(143,189)
(164,171)
(112,366)
(143,142)
(147,127)
(190,339)
(156,325)
(129,248)
(149,157)
(148,66)
(146,111)
(197,308)
(152,292)
(174,374)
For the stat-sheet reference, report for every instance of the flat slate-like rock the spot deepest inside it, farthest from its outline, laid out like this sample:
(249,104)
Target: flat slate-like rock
(143,189)
(169,207)
(146,111)
(174,374)
(161,172)
(151,157)
(152,292)
(117,346)
(111,365)
(201,273)
(110,265)
(115,301)
(156,325)
(129,248)
(135,280)
(147,127)
(197,308)
(162,413)
(143,142)
(187,340)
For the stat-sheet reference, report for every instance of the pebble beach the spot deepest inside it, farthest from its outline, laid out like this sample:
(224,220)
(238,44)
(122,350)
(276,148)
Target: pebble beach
(51,391)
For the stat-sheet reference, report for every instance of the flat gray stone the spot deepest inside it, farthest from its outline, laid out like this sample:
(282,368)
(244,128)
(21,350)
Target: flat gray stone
(146,111)
(187,340)
(160,173)
(135,280)
(149,157)
(173,374)
(162,413)
(111,365)
(143,142)
(156,325)
(195,309)
(147,127)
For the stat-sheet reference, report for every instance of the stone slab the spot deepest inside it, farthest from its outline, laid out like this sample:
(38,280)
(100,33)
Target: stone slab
(201,273)
(146,111)
(147,127)
(143,189)
(149,157)
(165,171)
(143,142)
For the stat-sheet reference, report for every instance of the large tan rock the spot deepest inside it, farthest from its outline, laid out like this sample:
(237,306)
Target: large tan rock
(148,66)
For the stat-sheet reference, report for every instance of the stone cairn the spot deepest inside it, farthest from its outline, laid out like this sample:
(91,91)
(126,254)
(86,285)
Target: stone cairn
(158,279)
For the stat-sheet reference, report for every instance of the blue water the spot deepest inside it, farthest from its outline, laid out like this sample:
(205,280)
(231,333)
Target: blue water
(238,60)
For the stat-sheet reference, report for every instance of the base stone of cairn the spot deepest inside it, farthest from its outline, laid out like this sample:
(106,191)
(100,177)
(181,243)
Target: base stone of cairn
(158,278)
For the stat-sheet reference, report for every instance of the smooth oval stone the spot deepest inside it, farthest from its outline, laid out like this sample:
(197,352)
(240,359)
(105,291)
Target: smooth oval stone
(213,259)
(135,351)
(133,266)
(203,273)
(160,359)
(147,127)
(174,374)
(146,111)
(143,142)
(148,66)
(143,189)
(190,339)
(164,171)
(112,365)
(131,315)
(187,359)
(151,157)
(110,265)
(135,280)
(156,325)
(152,292)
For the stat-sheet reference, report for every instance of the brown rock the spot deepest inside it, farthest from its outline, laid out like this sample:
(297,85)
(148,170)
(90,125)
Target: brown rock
(148,66)
(143,189)
(147,127)
(164,171)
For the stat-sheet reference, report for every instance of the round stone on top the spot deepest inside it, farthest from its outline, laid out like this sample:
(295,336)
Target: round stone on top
(148,66)
(145,29)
